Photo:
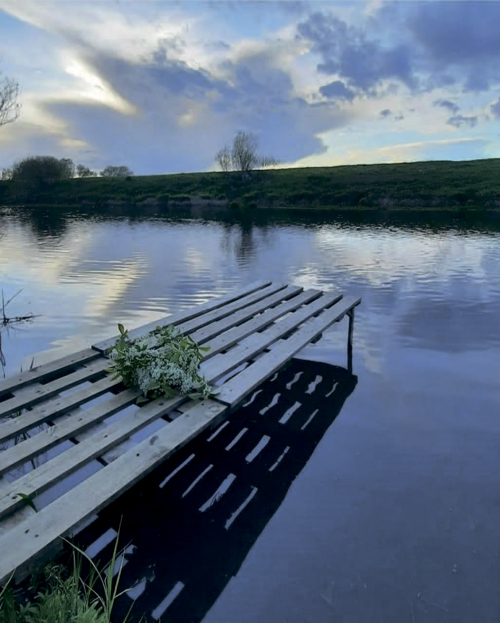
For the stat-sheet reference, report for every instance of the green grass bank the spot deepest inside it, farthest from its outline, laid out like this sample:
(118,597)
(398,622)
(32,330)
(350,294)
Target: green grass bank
(451,185)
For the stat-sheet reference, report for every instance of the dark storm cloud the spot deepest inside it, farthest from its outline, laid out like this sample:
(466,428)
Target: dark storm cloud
(348,51)
(337,90)
(459,120)
(447,104)
(385,113)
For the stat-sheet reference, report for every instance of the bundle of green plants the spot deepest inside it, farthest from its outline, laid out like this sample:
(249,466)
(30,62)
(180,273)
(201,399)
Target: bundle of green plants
(164,362)
(62,594)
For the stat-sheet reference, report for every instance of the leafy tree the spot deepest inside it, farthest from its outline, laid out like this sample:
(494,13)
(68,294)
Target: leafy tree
(9,107)
(69,167)
(243,155)
(39,171)
(83,171)
(111,171)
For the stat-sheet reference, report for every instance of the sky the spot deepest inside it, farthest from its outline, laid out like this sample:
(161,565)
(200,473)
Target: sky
(161,86)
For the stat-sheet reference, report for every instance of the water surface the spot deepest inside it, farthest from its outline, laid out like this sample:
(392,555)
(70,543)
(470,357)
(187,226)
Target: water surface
(397,513)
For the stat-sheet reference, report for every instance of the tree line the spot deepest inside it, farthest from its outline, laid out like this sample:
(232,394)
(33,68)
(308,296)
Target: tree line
(46,170)
(43,170)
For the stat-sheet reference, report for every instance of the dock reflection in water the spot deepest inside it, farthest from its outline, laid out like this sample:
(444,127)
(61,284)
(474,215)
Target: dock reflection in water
(186,529)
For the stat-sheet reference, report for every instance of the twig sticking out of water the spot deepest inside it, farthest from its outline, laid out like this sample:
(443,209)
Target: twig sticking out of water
(5,319)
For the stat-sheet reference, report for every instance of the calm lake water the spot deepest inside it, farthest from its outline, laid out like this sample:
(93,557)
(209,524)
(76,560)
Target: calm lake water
(396,517)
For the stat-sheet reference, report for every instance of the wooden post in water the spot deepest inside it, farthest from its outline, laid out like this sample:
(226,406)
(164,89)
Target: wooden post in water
(349,339)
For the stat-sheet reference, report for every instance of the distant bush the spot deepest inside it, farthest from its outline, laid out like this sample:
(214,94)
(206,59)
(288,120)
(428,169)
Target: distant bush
(163,197)
(181,198)
(234,205)
(121,171)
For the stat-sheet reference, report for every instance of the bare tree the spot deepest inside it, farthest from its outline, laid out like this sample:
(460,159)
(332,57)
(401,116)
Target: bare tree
(267,161)
(223,158)
(244,152)
(9,107)
(243,155)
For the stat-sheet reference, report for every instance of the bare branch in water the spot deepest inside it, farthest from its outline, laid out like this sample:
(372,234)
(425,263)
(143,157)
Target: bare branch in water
(10,320)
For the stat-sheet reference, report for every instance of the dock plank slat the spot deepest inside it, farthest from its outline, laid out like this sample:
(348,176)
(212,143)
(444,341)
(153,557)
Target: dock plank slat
(219,326)
(60,431)
(72,459)
(54,408)
(185,315)
(236,334)
(31,398)
(257,342)
(227,310)
(42,530)
(40,373)
(242,384)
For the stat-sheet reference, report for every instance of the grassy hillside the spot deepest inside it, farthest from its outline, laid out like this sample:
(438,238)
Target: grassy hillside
(443,184)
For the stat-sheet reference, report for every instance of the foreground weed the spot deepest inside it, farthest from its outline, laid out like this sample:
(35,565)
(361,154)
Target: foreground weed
(67,598)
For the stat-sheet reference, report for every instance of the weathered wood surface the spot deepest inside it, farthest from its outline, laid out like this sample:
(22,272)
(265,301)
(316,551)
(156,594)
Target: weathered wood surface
(251,333)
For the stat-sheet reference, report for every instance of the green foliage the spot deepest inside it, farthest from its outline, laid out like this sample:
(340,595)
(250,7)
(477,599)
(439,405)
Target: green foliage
(28,499)
(67,597)
(120,172)
(36,172)
(410,185)
(161,363)
(234,205)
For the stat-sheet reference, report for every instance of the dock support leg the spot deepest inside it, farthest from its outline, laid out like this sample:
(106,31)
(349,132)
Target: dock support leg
(349,340)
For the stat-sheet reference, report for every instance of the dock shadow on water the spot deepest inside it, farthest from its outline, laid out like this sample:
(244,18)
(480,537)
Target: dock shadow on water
(187,527)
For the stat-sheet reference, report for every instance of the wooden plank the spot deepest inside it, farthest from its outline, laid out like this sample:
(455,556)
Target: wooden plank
(236,334)
(50,437)
(227,310)
(257,342)
(54,408)
(235,390)
(42,530)
(40,373)
(217,327)
(45,476)
(186,314)
(31,398)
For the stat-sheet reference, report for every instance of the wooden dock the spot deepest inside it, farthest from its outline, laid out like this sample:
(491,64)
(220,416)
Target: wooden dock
(69,418)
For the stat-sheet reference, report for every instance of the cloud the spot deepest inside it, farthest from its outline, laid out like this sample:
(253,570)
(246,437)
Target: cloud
(385,113)
(495,109)
(176,103)
(349,52)
(337,90)
(459,120)
(447,104)
(458,40)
